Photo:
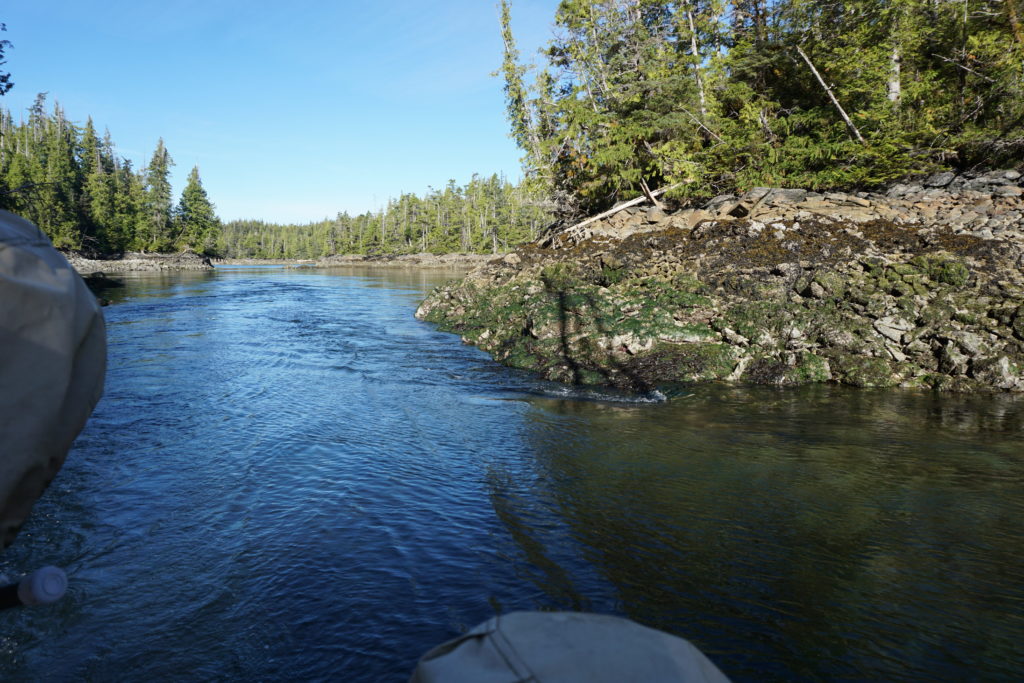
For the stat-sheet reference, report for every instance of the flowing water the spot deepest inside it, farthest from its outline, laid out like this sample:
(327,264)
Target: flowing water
(289,477)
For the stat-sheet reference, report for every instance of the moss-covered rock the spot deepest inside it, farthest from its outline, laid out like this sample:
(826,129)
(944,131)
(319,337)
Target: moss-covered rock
(875,305)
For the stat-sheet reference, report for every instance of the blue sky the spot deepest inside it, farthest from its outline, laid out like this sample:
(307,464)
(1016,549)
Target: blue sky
(293,111)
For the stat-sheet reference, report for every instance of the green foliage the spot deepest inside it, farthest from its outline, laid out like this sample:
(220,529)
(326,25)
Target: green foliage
(159,206)
(195,219)
(74,187)
(488,214)
(715,95)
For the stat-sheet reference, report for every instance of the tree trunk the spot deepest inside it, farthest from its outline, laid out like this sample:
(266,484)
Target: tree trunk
(832,97)
(696,65)
(895,88)
(650,197)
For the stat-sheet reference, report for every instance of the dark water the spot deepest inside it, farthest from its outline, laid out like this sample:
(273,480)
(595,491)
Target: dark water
(291,478)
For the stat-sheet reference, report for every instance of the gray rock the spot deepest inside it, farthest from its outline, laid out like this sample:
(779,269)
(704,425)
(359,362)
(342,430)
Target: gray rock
(935,193)
(1008,191)
(892,327)
(895,353)
(654,214)
(995,371)
(719,201)
(968,342)
(755,193)
(996,178)
(786,195)
(979,185)
(940,179)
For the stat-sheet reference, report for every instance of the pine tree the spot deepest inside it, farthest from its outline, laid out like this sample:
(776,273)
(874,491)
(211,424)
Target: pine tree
(197,224)
(74,187)
(5,76)
(58,192)
(722,96)
(158,202)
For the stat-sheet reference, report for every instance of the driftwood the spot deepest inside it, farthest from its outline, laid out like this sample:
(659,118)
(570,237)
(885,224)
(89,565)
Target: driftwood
(832,97)
(574,231)
(650,197)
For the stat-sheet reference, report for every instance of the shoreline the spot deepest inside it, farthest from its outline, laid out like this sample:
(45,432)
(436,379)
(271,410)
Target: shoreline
(134,262)
(919,287)
(421,260)
(154,263)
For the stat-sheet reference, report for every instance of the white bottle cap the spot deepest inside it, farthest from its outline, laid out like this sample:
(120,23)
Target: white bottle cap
(43,586)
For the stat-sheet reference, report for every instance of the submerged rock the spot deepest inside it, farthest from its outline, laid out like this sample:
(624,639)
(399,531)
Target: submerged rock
(864,290)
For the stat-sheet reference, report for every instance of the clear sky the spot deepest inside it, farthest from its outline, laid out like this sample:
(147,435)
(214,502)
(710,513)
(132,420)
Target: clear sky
(294,110)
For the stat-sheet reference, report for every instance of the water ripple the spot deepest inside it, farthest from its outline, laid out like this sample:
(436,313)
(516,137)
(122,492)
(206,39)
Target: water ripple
(289,477)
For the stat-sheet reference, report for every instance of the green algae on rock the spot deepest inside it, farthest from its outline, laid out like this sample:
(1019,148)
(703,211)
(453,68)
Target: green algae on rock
(864,293)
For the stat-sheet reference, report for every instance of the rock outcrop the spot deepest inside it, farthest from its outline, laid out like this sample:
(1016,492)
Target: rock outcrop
(138,262)
(921,286)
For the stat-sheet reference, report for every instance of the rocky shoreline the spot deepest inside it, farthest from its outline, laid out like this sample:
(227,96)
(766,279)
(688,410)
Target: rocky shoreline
(422,260)
(141,263)
(135,262)
(921,286)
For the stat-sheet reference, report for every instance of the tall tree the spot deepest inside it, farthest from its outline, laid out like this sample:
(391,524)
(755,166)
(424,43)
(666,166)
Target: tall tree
(76,189)
(725,95)
(5,76)
(159,203)
(197,223)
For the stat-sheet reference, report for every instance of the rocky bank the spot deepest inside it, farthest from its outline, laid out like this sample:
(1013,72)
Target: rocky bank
(421,260)
(920,286)
(138,262)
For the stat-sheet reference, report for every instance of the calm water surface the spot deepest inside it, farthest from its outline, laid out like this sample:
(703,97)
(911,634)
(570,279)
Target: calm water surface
(291,478)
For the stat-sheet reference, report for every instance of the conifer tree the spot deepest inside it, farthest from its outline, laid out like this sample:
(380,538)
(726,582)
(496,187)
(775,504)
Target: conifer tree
(58,192)
(719,95)
(5,76)
(75,188)
(197,223)
(158,203)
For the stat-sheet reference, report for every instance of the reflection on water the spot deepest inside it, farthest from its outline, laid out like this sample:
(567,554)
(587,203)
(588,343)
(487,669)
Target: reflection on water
(290,477)
(877,530)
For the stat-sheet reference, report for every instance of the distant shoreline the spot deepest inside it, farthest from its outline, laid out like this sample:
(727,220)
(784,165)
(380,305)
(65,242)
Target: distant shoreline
(149,263)
(135,262)
(423,260)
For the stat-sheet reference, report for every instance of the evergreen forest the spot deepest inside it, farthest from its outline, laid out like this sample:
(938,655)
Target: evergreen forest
(72,184)
(629,97)
(711,96)
(486,215)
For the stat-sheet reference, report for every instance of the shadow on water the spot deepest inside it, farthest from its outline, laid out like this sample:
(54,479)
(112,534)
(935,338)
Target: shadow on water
(799,534)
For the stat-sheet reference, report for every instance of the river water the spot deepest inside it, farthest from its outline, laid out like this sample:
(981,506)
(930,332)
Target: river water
(289,477)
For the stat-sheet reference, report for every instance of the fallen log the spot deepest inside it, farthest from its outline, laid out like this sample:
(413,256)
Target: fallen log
(573,229)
